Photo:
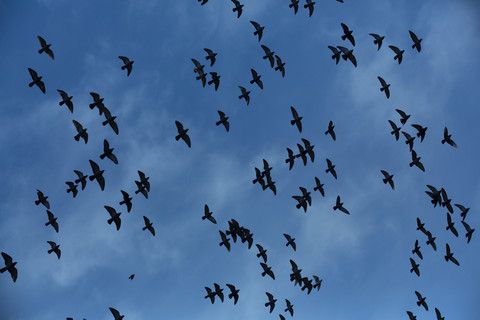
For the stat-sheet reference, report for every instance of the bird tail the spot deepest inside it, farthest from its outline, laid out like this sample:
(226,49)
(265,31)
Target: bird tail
(3,270)
(124,67)
(77,137)
(343,37)
(144,228)
(110,221)
(61,103)
(203,218)
(102,156)
(50,251)
(177,137)
(37,202)
(385,181)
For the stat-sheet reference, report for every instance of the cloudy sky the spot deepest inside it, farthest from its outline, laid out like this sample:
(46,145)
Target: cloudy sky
(363,258)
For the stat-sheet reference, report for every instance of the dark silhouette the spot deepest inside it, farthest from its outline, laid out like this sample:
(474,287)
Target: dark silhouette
(52,220)
(385,87)
(72,188)
(97,174)
(378,40)
(296,119)
(127,64)
(127,200)
(210,56)
(208,215)
(271,301)
(258,29)
(347,34)
(416,41)
(256,78)
(115,217)
(182,133)
(148,225)
(398,53)
(45,48)
(36,80)
(42,199)
(9,266)
(448,138)
(108,152)
(54,248)
(66,100)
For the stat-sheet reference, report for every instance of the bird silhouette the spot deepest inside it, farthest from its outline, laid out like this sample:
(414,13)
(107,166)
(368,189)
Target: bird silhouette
(421,300)
(148,225)
(431,240)
(450,225)
(267,270)
(225,241)
(294,4)
(339,206)
(421,131)
(182,133)
(271,301)
(115,217)
(439,315)
(404,116)
(218,291)
(97,174)
(52,220)
(296,119)
(309,4)
(215,80)
(331,168)
(448,138)
(127,200)
(238,8)
(347,34)
(396,130)
(110,120)
(464,210)
(36,80)
(233,293)
(258,29)
(388,178)
(210,56)
(378,40)
(131,276)
(416,161)
(42,199)
(289,307)
(417,251)
(336,54)
(244,95)
(290,241)
(45,47)
(261,253)
(469,230)
(268,55)
(9,266)
(81,132)
(210,294)
(66,100)
(348,54)
(127,64)
(385,87)
(416,41)
(223,120)
(54,248)
(398,53)
(208,215)
(280,65)
(72,188)
(97,102)
(449,255)
(318,282)
(256,79)
(414,267)
(108,152)
(116,314)
(330,130)
(81,178)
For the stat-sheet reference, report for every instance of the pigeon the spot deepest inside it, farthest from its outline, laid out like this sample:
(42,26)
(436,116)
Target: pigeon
(378,40)
(127,200)
(414,267)
(268,55)
(210,294)
(416,41)
(396,130)
(42,199)
(291,159)
(307,284)
(97,102)
(437,312)
(210,56)
(259,178)
(238,8)
(280,65)
(97,174)
(9,266)
(54,248)
(218,291)
(431,240)
(331,168)
(385,87)
(258,29)
(127,64)
(416,161)
(306,195)
(416,250)
(108,152)
(203,2)
(266,168)
(446,202)
(256,79)
(262,253)
(208,215)
(409,139)
(245,94)
(198,67)
(421,226)
(141,189)
(403,115)
(309,149)
(81,178)
(336,54)
(289,307)
(421,131)
(215,80)
(347,34)
(115,217)
(225,241)
(450,225)
(302,153)
(464,210)
(66,100)
(290,241)
(36,80)
(339,206)
(110,120)
(144,180)
(148,225)
(52,220)
(411,316)
(469,230)
(448,138)
(81,132)
(319,187)
(330,130)
(233,293)
(116,314)
(131,276)
(295,271)
(302,202)
(318,282)
(388,178)
(267,270)
(294,4)
(435,194)
(449,255)
(296,119)
(72,188)
(421,300)
(271,301)
(348,54)
(398,53)
(45,48)
(223,120)
(309,5)
(270,184)
(182,133)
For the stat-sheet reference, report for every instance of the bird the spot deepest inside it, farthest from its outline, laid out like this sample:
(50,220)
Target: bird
(309,149)
(318,282)
(210,294)
(256,78)
(330,130)
(290,241)
(110,120)
(115,217)
(81,132)
(307,284)
(409,139)
(319,187)
(449,255)
(378,40)
(348,54)
(116,314)
(414,267)
(385,87)
(127,64)
(245,94)
(141,189)
(416,41)
(411,316)
(148,225)
(131,276)
(127,200)
(233,293)
(464,210)
(218,291)
(431,240)
(339,206)
(421,300)
(266,168)
(198,67)
(416,161)
(302,202)
(238,8)
(296,119)
(108,152)
(294,4)
(271,301)
(54,248)
(208,215)
(280,65)
(439,315)
(210,56)
(215,80)
(289,307)
(258,29)
(396,130)
(404,116)
(225,241)
(259,178)
(72,188)
(203,2)
(270,184)
(97,102)
(267,270)
(45,47)
(388,178)
(97,174)
(182,133)
(446,202)
(421,131)
(81,178)
(261,253)
(144,180)
(435,194)
(416,250)
(309,5)
(66,100)
(223,120)
(268,55)
(42,199)
(398,53)
(9,266)
(52,220)
(331,168)
(347,34)
(421,226)
(336,54)
(448,138)
(36,80)
(291,158)
(469,230)
(450,225)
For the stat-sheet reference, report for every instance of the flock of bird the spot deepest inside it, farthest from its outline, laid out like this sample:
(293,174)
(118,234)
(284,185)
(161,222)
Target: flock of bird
(262,177)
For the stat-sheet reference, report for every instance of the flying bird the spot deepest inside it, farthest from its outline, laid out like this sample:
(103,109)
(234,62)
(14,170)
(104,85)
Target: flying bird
(378,40)
(52,220)
(210,294)
(259,178)
(296,119)
(45,47)
(116,314)
(449,255)
(416,250)
(210,56)
(261,253)
(331,168)
(208,215)
(385,87)
(416,41)
(404,116)
(271,301)
(448,138)
(97,102)
(72,188)
(396,130)
(416,161)
(233,293)
(268,55)
(421,226)
(347,34)
(148,225)
(398,53)
(270,184)
(310,7)
(66,100)
(245,94)
(238,8)
(203,2)
(131,276)
(450,225)
(289,307)
(421,131)
(54,248)
(267,270)
(446,202)
(469,230)
(439,315)
(258,29)
(348,54)
(115,217)
(294,4)
(464,210)
(127,64)
(110,120)
(339,206)
(36,80)
(108,152)
(318,282)
(215,80)
(225,241)
(414,267)
(218,291)
(409,140)
(309,149)
(319,187)
(97,174)
(182,133)
(198,67)
(280,65)
(256,79)
(9,266)
(42,199)
(81,132)
(388,178)
(330,130)
(421,300)
(431,240)
(223,120)
(290,241)
(141,189)
(291,158)
(81,178)
(336,54)
(127,200)
(411,316)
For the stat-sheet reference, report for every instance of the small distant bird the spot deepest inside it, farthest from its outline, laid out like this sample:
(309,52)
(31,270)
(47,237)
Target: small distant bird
(416,41)
(398,53)
(54,248)
(115,217)
(469,230)
(36,80)
(309,149)
(182,133)
(396,130)
(339,206)
(144,180)
(421,131)
(416,161)
(110,120)
(291,158)
(148,225)
(258,29)
(215,80)
(330,130)
(289,307)
(446,202)
(262,253)
(336,54)
(296,119)
(210,56)
(464,210)
(223,120)
(72,188)
(256,78)
(108,152)
(385,87)
(310,7)
(414,267)
(97,102)
(42,199)
(271,301)
(268,55)
(218,291)
(267,270)
(450,225)
(116,314)
(198,67)
(245,94)
(45,47)
(307,284)
(404,116)
(225,241)
(331,168)
(141,189)
(388,178)
(210,294)
(127,64)
(280,65)
(411,316)
(9,266)
(97,174)
(233,293)
(318,282)
(449,255)
(208,215)
(319,187)
(431,240)
(66,100)
(52,220)
(409,140)
(294,4)
(439,315)
(348,54)
(270,184)
(131,276)
(421,300)
(127,200)
(378,40)
(81,178)
(448,138)
(290,241)
(81,132)
(238,8)
(347,34)
(421,226)
(416,250)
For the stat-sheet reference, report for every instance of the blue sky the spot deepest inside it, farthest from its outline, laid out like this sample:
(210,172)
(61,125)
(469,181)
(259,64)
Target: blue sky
(363,258)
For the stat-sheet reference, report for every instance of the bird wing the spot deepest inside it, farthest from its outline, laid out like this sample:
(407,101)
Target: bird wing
(255,24)
(344,27)
(401,113)
(95,167)
(395,49)
(266,49)
(124,59)
(7,258)
(413,36)
(33,73)
(43,43)
(115,313)
(334,50)
(382,82)
(294,112)
(147,221)
(77,125)
(197,64)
